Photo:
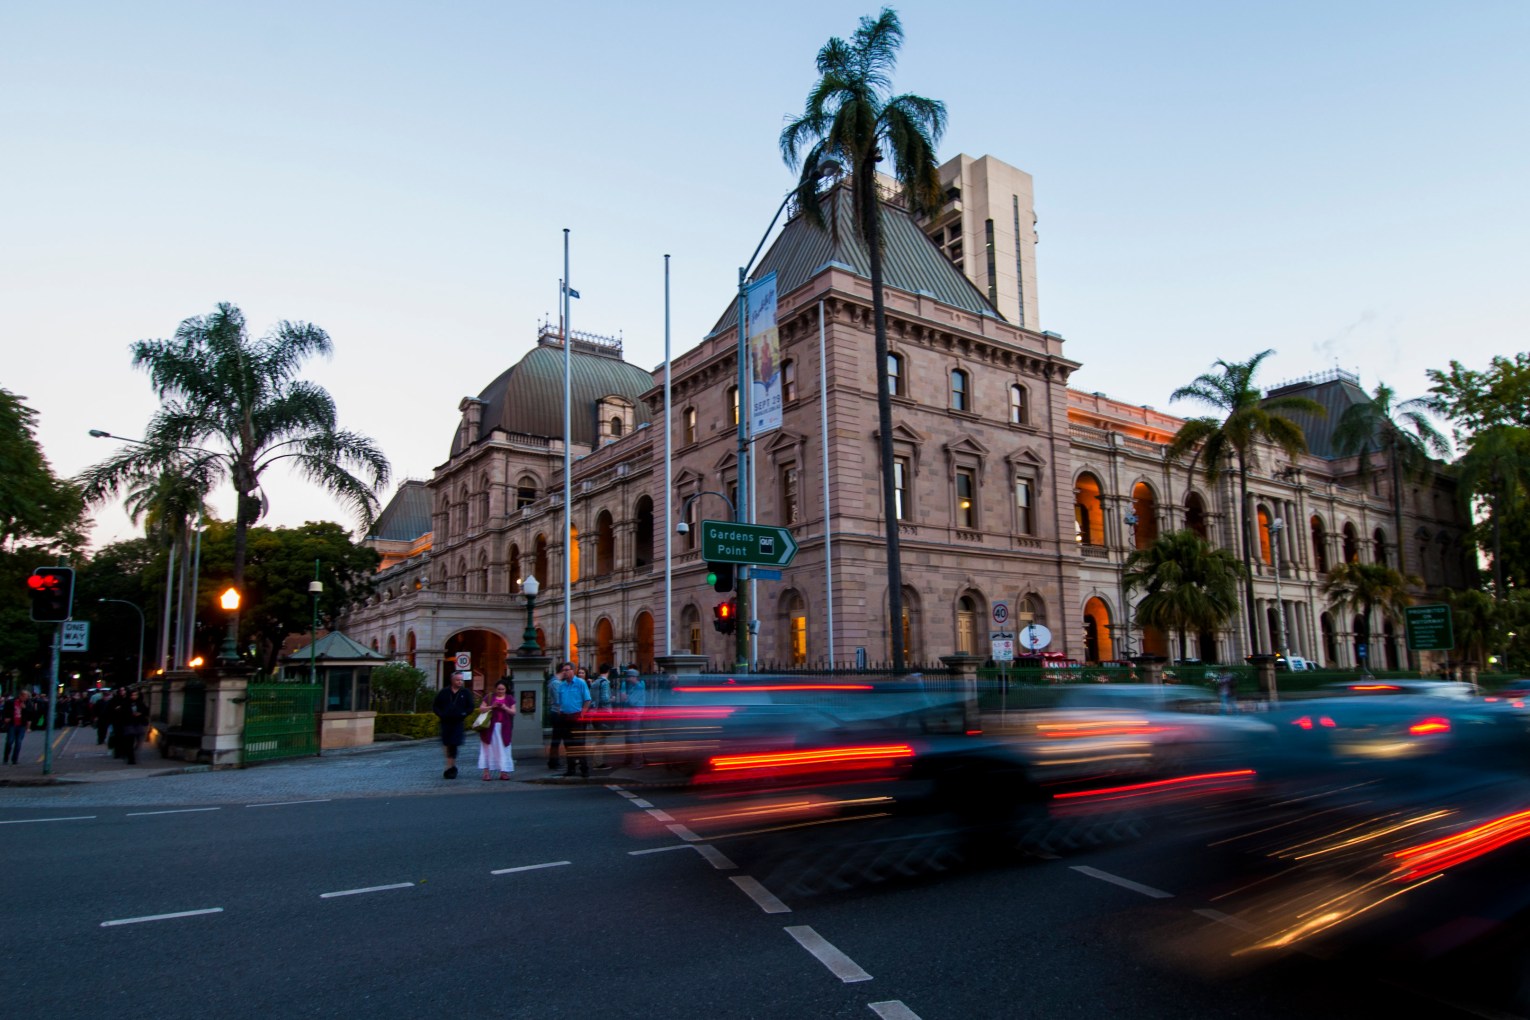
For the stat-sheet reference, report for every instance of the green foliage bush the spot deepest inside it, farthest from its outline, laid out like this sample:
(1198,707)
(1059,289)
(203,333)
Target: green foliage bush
(416,726)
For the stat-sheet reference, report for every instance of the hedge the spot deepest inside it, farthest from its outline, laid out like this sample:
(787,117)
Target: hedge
(418,726)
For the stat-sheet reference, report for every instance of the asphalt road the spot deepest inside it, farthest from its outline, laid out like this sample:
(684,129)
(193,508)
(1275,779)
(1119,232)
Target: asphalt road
(518,900)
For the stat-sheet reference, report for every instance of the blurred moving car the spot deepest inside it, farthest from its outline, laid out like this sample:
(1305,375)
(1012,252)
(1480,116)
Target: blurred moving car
(1426,688)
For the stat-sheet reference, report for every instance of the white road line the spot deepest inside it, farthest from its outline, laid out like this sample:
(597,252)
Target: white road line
(840,965)
(892,1010)
(684,833)
(370,888)
(618,789)
(28,821)
(625,793)
(714,856)
(175,811)
(1227,919)
(763,897)
(530,867)
(661,816)
(284,803)
(640,802)
(658,849)
(1125,883)
(161,917)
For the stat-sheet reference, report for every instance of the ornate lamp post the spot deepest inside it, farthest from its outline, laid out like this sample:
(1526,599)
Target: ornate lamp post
(1126,609)
(529,647)
(1276,527)
(315,589)
(228,655)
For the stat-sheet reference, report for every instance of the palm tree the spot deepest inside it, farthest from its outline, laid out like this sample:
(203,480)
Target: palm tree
(231,409)
(1361,587)
(852,120)
(1228,442)
(1496,470)
(1189,585)
(1402,433)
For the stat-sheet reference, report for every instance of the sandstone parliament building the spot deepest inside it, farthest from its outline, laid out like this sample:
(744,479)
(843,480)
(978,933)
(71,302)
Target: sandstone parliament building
(1011,485)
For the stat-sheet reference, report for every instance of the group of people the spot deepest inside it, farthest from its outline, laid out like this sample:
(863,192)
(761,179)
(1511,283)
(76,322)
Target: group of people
(120,719)
(609,704)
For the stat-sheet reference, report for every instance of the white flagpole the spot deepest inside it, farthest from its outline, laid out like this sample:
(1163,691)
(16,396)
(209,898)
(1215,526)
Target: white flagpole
(669,419)
(568,462)
(823,430)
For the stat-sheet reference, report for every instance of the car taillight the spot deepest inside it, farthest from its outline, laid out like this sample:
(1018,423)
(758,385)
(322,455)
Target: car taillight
(1434,724)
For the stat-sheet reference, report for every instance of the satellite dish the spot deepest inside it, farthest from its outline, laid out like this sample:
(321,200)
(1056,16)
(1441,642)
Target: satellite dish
(1033,637)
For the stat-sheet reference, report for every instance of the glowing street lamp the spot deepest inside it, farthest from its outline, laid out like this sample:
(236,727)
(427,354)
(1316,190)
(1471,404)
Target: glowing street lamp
(529,647)
(228,655)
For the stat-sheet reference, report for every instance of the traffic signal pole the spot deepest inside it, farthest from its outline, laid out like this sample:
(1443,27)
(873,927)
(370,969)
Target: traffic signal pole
(58,638)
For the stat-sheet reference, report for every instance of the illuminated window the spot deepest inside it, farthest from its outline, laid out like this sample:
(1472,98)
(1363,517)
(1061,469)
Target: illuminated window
(788,381)
(689,425)
(733,403)
(966,500)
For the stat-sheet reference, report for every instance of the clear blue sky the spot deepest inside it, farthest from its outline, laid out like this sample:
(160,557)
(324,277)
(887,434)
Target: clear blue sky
(1344,182)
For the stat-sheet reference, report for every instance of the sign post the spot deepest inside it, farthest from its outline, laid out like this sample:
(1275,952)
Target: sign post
(1430,628)
(76,635)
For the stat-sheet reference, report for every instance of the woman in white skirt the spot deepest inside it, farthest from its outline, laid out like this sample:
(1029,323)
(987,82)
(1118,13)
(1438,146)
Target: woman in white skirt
(494,749)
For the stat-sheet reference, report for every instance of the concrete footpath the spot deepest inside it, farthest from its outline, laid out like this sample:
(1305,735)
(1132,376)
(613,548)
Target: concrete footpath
(85,774)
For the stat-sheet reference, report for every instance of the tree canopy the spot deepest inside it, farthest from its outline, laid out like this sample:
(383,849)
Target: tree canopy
(1189,587)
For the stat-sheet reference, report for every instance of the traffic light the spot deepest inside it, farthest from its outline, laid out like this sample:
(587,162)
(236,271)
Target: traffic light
(720,576)
(52,590)
(725,616)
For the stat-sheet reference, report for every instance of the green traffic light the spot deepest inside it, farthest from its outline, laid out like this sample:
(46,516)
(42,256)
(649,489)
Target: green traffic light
(712,577)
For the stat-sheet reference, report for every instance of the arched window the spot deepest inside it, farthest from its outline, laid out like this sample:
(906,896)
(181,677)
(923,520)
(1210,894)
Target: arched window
(1145,508)
(913,645)
(605,545)
(895,383)
(966,625)
(1351,544)
(1098,646)
(794,613)
(616,427)
(642,636)
(1262,535)
(690,629)
(1330,642)
(961,399)
(1319,545)
(1195,517)
(525,493)
(1379,549)
(643,538)
(1088,514)
(788,381)
(392,646)
(515,568)
(481,573)
(540,561)
(573,556)
(409,648)
(1017,408)
(605,642)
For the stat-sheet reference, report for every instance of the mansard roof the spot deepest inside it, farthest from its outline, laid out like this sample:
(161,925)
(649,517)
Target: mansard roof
(910,262)
(407,515)
(1337,391)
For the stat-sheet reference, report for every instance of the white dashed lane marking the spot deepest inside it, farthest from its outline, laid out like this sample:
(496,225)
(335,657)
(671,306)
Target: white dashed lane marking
(659,849)
(286,803)
(714,856)
(763,897)
(840,965)
(368,889)
(892,1010)
(29,821)
(161,917)
(176,811)
(1125,883)
(684,833)
(530,867)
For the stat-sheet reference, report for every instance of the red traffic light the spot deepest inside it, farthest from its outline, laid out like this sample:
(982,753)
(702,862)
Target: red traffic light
(725,611)
(43,582)
(52,592)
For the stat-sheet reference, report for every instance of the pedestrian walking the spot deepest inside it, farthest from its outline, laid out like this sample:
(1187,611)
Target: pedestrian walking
(1225,684)
(494,747)
(570,700)
(632,699)
(99,717)
(16,716)
(452,706)
(133,716)
(599,722)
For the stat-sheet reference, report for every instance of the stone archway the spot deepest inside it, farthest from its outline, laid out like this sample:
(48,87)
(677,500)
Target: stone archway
(488,649)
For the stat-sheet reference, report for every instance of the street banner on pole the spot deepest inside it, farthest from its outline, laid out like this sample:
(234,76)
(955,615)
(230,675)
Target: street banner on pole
(764,356)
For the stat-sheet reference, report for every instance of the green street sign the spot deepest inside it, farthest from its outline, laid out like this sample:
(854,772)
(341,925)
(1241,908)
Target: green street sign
(761,545)
(1429,628)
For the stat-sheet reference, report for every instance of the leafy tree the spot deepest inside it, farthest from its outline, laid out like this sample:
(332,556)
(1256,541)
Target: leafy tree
(1229,442)
(1476,623)
(1361,587)
(36,507)
(275,600)
(1475,400)
(399,687)
(232,409)
(1402,433)
(1189,586)
(853,121)
(1495,471)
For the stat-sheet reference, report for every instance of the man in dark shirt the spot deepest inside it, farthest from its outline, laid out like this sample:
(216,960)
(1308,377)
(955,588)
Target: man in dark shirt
(452,706)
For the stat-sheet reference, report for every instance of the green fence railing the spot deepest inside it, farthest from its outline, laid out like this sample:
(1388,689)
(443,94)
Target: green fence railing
(281,721)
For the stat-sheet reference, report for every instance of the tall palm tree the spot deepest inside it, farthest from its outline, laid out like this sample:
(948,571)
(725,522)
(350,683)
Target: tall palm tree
(1189,585)
(1401,432)
(1361,587)
(852,119)
(232,408)
(1496,470)
(1228,442)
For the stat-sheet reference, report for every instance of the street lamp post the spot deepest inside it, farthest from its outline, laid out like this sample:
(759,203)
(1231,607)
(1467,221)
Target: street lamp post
(1276,527)
(134,606)
(529,646)
(1126,609)
(315,589)
(228,655)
